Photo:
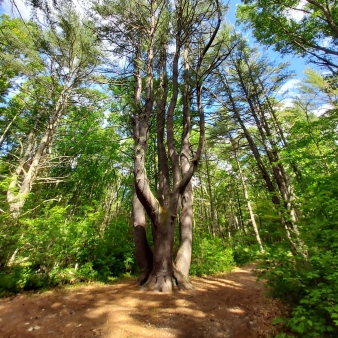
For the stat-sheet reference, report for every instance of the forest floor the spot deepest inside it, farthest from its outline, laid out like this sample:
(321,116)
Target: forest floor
(230,305)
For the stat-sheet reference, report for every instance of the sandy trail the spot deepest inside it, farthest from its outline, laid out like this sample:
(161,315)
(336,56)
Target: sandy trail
(232,305)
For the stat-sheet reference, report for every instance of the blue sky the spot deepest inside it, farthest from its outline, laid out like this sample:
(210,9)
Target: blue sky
(297,64)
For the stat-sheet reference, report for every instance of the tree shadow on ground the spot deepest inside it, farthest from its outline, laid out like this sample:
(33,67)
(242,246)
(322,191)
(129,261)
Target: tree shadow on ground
(232,305)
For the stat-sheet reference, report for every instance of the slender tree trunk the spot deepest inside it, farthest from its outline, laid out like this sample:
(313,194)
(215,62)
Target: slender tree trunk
(183,257)
(241,219)
(278,170)
(203,209)
(211,197)
(2,137)
(246,195)
(253,147)
(143,252)
(296,244)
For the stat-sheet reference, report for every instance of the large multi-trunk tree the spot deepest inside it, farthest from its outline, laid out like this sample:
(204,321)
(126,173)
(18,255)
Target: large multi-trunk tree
(169,49)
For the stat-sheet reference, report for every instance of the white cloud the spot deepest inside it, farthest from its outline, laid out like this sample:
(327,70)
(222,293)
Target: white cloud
(323,109)
(296,14)
(327,41)
(290,86)
(288,103)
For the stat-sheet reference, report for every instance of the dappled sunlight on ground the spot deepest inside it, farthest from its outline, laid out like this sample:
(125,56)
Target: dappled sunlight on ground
(231,305)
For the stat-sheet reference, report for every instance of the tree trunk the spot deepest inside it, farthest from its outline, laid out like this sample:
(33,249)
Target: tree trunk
(161,278)
(143,252)
(183,257)
(4,133)
(163,210)
(278,170)
(246,195)
(211,197)
(253,147)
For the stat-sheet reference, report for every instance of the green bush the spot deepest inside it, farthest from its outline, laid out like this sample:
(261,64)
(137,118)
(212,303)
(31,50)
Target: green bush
(311,286)
(210,257)
(312,290)
(245,248)
(12,281)
(46,250)
(244,255)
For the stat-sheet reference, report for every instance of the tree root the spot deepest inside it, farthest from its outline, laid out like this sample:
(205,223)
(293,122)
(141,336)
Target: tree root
(158,283)
(143,277)
(183,283)
(149,284)
(166,282)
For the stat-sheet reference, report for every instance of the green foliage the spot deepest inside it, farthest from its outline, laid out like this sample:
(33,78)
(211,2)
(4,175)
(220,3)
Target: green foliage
(53,249)
(311,286)
(312,289)
(294,26)
(244,252)
(210,257)
(75,225)
(18,55)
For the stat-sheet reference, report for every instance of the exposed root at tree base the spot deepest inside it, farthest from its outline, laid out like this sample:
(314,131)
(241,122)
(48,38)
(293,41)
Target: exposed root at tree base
(160,283)
(183,283)
(143,277)
(166,283)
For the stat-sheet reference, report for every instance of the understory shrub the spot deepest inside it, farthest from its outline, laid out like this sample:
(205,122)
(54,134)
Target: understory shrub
(52,249)
(209,256)
(245,248)
(311,288)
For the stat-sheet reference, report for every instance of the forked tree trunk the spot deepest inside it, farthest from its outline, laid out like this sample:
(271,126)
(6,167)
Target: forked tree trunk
(163,210)
(17,200)
(161,277)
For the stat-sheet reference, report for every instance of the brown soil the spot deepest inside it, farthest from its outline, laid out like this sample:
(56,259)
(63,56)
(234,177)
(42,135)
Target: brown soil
(231,305)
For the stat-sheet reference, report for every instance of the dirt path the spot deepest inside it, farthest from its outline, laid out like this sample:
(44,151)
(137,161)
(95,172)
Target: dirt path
(233,305)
